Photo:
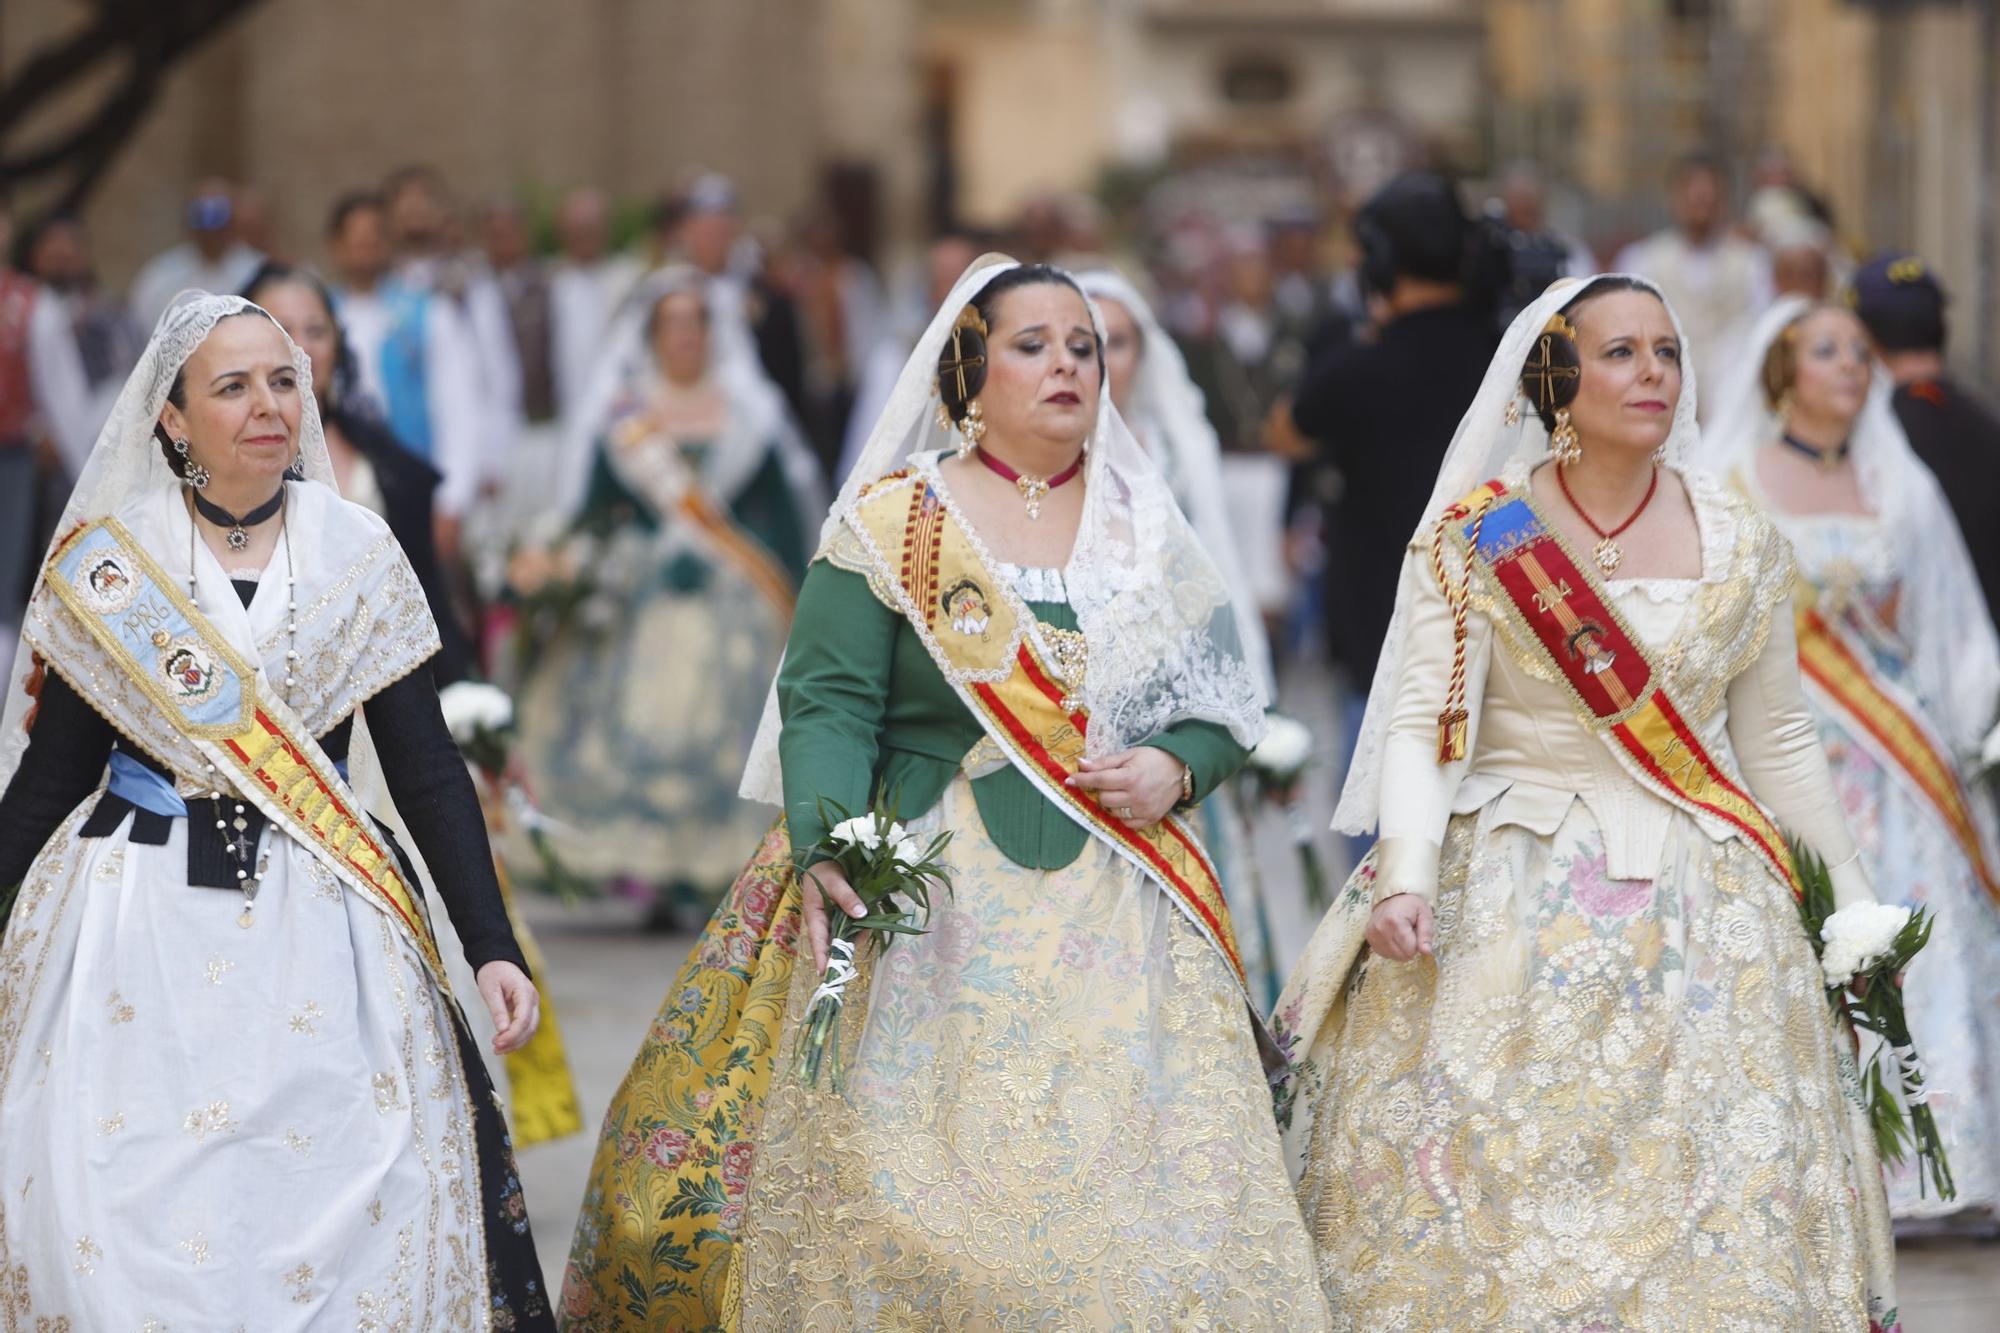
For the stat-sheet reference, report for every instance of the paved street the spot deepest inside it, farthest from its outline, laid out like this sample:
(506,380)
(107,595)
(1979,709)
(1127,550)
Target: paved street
(607,978)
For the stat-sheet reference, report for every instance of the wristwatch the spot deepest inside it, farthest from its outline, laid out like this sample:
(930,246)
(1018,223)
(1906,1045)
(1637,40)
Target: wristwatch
(1187,784)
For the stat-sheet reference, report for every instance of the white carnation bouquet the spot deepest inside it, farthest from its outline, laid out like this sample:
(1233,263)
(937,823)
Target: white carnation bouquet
(480,718)
(1864,948)
(893,875)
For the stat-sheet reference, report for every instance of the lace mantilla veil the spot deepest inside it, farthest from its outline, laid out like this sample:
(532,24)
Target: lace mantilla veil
(1484,447)
(1165,645)
(1166,401)
(760,419)
(1943,616)
(126,463)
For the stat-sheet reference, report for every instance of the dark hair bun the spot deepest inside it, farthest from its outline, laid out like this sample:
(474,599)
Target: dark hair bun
(961,372)
(1553,372)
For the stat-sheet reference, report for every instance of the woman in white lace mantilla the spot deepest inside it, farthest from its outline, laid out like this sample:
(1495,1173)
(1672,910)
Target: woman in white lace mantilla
(1902,667)
(688,501)
(1563,1059)
(235,1090)
(1054,1111)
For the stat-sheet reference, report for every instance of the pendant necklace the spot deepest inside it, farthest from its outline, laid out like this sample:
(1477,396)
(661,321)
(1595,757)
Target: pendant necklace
(239,848)
(1031,487)
(1606,553)
(237,538)
(1826,460)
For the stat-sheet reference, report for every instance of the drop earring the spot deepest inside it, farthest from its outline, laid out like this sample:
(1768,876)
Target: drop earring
(973,429)
(1514,410)
(193,474)
(1563,442)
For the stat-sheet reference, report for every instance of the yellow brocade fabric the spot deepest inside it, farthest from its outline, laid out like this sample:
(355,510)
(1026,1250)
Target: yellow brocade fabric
(541,1094)
(1054,1117)
(666,1191)
(1607,1104)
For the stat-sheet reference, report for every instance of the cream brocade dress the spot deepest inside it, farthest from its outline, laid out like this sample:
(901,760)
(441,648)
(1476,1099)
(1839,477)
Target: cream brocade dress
(1056,1117)
(1617,1098)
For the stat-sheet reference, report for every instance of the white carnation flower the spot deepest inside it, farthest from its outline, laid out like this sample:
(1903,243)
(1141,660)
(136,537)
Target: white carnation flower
(856,832)
(1286,746)
(1857,937)
(472,706)
(903,845)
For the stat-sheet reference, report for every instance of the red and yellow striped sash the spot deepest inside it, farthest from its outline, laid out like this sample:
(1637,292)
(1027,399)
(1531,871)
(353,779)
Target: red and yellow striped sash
(213,698)
(1609,676)
(988,649)
(1844,682)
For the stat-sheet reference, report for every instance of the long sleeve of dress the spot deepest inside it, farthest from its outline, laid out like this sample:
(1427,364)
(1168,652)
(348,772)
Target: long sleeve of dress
(433,793)
(1210,752)
(1417,791)
(1777,747)
(833,694)
(62,765)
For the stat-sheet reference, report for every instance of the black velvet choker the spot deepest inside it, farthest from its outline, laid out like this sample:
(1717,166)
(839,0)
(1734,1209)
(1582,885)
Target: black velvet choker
(222,518)
(1828,459)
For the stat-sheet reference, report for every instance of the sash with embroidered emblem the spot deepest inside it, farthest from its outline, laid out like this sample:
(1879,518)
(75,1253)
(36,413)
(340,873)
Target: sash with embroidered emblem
(1020,679)
(214,700)
(1885,721)
(1558,608)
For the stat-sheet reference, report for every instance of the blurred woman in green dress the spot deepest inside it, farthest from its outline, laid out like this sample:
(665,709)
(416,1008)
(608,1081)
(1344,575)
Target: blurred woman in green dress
(686,507)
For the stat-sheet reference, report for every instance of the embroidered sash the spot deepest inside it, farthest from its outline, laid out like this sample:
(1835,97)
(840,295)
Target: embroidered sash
(1555,605)
(212,698)
(1018,681)
(650,463)
(1887,722)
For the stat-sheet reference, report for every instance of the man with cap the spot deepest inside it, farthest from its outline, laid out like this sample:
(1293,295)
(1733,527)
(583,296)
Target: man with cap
(1902,305)
(211,259)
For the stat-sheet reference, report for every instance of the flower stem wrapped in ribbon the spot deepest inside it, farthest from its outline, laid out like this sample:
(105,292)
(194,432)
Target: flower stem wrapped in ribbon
(1275,768)
(893,875)
(1863,950)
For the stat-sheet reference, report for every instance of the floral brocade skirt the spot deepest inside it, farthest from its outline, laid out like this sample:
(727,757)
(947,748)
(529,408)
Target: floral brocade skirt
(1054,1116)
(1604,1104)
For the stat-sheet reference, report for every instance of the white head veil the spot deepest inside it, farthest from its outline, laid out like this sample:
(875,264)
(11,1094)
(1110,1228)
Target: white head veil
(1485,446)
(759,418)
(127,463)
(1942,615)
(1167,406)
(1165,645)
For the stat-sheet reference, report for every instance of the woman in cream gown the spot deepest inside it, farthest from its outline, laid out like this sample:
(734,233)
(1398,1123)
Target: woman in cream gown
(1902,667)
(1584,1074)
(1055,1114)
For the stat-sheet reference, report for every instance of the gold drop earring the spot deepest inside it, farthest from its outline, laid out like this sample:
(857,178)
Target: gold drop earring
(973,429)
(1563,442)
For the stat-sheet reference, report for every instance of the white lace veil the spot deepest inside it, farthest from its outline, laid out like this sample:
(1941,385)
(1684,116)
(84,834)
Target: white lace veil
(759,418)
(1164,641)
(1485,446)
(127,463)
(1942,614)
(1167,407)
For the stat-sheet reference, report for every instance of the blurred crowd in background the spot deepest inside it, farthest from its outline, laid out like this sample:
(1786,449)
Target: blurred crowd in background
(474,325)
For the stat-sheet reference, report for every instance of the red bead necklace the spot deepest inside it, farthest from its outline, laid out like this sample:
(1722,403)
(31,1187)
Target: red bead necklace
(1606,552)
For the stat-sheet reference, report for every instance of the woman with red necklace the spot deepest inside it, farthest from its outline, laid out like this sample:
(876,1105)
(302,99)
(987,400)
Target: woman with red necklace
(1054,1107)
(1562,1056)
(1902,668)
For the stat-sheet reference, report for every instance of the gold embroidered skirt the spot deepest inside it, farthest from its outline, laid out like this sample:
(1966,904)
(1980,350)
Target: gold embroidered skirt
(1607,1104)
(1055,1116)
